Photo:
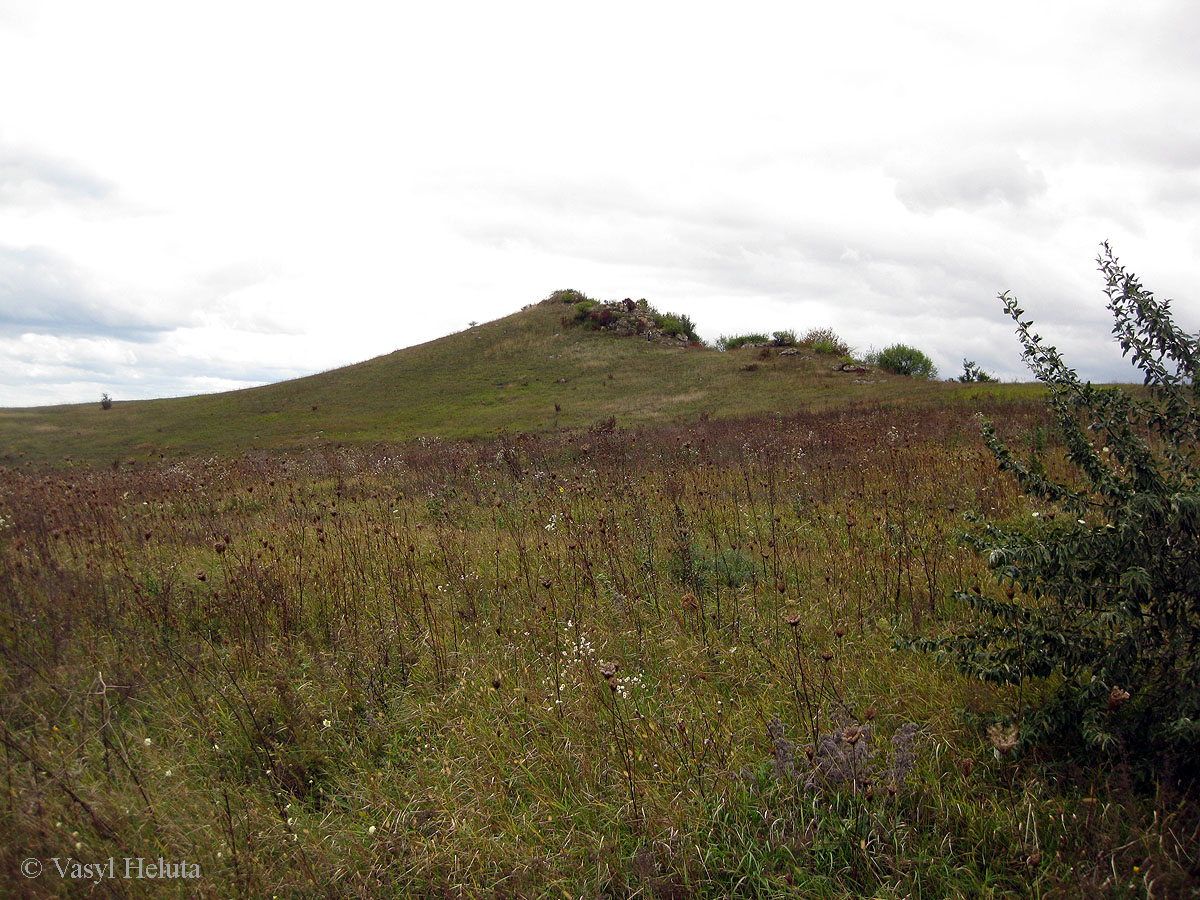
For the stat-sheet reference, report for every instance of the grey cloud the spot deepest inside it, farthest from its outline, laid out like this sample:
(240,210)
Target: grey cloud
(909,280)
(969,182)
(39,369)
(30,181)
(42,291)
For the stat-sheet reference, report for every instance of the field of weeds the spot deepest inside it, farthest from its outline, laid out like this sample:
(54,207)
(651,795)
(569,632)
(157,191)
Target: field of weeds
(614,664)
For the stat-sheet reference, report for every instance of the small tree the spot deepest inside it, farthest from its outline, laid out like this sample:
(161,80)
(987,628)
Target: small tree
(973,372)
(1104,601)
(901,359)
(105,401)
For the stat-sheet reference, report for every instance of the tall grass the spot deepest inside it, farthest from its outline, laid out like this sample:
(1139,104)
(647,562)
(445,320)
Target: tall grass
(610,663)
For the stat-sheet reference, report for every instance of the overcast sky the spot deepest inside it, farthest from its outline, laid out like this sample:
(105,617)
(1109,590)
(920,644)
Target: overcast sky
(203,196)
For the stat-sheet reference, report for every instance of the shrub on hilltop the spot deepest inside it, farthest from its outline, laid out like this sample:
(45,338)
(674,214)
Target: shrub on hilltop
(568,296)
(733,342)
(825,341)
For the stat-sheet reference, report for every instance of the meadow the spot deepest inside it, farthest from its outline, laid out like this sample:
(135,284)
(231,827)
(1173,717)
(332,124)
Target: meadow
(608,663)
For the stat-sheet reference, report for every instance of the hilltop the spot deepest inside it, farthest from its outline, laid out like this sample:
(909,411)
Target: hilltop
(534,370)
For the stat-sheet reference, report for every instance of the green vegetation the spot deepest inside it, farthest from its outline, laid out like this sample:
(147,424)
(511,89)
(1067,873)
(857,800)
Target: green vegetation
(973,373)
(734,342)
(825,341)
(784,338)
(1100,594)
(901,359)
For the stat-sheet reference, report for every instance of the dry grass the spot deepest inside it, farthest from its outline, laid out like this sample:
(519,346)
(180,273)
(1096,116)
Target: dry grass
(353,673)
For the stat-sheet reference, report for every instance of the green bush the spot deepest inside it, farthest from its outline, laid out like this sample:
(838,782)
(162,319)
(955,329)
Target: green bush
(785,338)
(568,296)
(901,359)
(675,323)
(973,373)
(583,310)
(825,341)
(1098,597)
(725,342)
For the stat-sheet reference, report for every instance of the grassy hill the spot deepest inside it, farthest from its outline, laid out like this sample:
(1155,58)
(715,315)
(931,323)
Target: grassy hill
(525,372)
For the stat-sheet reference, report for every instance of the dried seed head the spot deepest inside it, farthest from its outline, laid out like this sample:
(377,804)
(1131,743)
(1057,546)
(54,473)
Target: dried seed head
(792,619)
(608,670)
(869,713)
(827,654)
(1117,698)
(200,576)
(496,683)
(219,547)
(1003,739)
(851,734)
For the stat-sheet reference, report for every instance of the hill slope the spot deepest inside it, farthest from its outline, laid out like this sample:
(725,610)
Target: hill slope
(506,375)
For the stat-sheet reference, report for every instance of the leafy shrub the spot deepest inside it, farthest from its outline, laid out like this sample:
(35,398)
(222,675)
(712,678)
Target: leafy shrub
(825,340)
(675,323)
(1104,601)
(733,568)
(901,359)
(972,372)
(583,310)
(725,342)
(568,296)
(785,338)
(105,401)
(696,567)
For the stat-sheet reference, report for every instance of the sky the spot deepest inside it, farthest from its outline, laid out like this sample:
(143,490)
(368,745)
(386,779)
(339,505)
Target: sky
(203,197)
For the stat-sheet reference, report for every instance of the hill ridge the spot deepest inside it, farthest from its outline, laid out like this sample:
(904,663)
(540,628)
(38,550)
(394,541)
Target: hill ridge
(527,371)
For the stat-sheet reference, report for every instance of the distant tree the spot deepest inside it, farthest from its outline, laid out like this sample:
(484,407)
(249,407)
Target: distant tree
(901,359)
(972,372)
(105,401)
(1099,597)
